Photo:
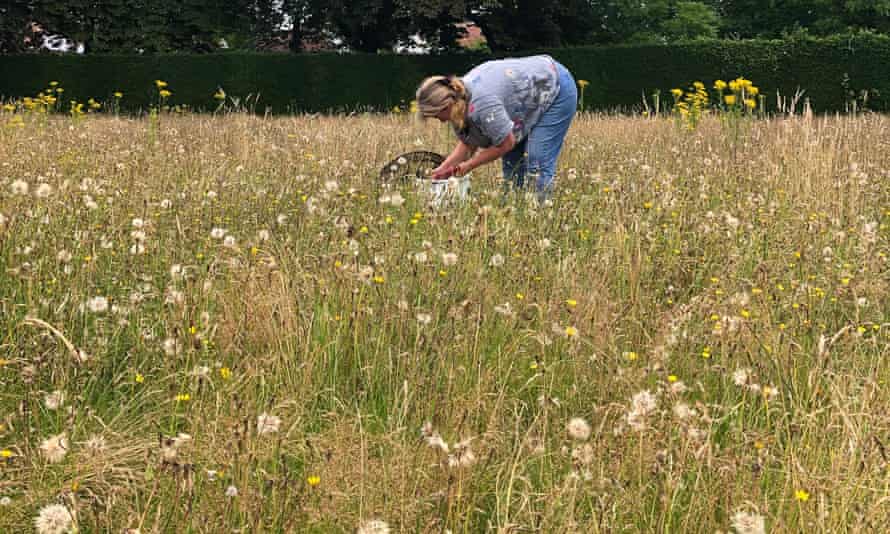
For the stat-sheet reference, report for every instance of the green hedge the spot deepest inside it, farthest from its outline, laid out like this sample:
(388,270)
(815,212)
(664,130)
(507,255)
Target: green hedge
(618,75)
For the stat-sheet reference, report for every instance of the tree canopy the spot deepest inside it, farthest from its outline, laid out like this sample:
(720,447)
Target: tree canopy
(152,26)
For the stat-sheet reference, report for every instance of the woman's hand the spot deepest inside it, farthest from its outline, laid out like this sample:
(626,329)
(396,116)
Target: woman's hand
(461,169)
(442,172)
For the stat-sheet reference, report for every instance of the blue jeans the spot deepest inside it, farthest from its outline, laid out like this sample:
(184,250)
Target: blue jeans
(538,152)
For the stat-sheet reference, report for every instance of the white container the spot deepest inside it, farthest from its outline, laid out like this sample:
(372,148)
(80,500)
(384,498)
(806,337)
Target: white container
(442,193)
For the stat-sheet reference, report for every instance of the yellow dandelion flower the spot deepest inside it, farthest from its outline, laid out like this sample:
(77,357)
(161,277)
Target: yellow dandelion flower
(571,331)
(313,480)
(729,99)
(225,373)
(719,85)
(802,495)
(140,378)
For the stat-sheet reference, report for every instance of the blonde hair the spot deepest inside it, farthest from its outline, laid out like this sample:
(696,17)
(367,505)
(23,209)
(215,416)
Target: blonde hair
(437,93)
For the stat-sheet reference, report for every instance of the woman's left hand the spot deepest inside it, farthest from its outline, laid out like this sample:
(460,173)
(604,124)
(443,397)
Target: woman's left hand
(461,169)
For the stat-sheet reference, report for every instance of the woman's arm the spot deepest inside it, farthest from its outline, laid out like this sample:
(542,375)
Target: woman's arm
(486,155)
(460,153)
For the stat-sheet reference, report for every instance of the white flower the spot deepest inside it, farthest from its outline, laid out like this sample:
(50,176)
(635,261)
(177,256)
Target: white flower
(19,187)
(396,199)
(263,235)
(218,233)
(229,241)
(267,424)
(748,523)
(462,455)
(43,190)
(740,376)
(643,402)
(420,257)
(166,203)
(544,244)
(424,318)
(374,526)
(231,491)
(53,519)
(578,429)
(138,223)
(449,258)
(171,346)
(54,400)
(504,309)
(331,185)
(138,235)
(496,261)
(55,448)
(5,501)
(98,304)
(683,411)
(63,256)
(137,248)
(281,219)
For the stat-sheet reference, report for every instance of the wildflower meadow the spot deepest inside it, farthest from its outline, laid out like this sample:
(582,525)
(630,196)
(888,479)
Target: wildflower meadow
(226,322)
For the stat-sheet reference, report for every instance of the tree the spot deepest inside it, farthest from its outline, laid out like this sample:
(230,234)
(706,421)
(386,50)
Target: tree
(691,20)
(511,25)
(15,21)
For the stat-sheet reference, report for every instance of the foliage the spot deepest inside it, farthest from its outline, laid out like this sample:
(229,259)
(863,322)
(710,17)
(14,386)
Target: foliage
(832,72)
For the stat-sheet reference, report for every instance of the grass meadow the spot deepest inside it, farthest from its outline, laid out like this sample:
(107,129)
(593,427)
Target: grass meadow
(225,324)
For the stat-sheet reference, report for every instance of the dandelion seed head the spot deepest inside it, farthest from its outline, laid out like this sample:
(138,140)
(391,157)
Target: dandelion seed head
(55,448)
(43,191)
(19,187)
(54,400)
(267,424)
(53,519)
(748,523)
(578,429)
(374,526)
(98,304)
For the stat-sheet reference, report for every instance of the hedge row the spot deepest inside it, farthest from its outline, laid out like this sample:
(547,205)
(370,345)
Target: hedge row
(827,69)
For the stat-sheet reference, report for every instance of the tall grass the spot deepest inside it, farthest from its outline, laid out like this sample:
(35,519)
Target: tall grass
(230,332)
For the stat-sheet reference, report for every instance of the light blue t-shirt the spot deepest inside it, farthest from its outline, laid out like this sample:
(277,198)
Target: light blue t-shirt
(507,95)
